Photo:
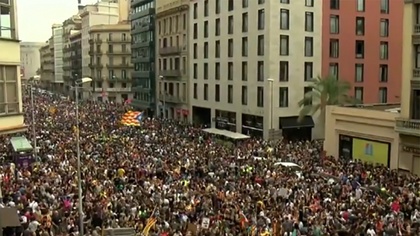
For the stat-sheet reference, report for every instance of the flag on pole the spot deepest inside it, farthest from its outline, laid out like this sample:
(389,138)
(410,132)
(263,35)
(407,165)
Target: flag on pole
(149,224)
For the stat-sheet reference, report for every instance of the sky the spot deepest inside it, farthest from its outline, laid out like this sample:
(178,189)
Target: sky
(35,17)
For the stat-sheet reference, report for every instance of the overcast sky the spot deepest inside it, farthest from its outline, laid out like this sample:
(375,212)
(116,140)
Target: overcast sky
(35,17)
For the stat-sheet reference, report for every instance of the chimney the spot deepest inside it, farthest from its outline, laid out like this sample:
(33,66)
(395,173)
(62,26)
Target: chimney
(80,7)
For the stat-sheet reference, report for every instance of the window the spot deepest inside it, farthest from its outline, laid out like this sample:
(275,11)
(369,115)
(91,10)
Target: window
(195,33)
(284,19)
(283,97)
(244,95)
(206,50)
(360,5)
(334,4)
(260,51)
(309,3)
(6,22)
(261,19)
(230,70)
(260,71)
(230,47)
(230,25)
(217,71)
(217,49)
(9,100)
(217,8)
(358,94)
(305,91)
(334,24)
(230,94)
(309,46)
(384,51)
(284,45)
(206,92)
(195,71)
(334,48)
(244,3)
(284,71)
(384,27)
(244,46)
(195,12)
(195,92)
(260,96)
(383,73)
(334,70)
(244,71)
(383,95)
(195,51)
(206,71)
(206,29)
(217,27)
(309,21)
(359,72)
(217,93)
(360,26)
(415,104)
(417,56)
(230,5)
(360,48)
(385,6)
(309,71)
(206,8)
(285,1)
(261,1)
(245,22)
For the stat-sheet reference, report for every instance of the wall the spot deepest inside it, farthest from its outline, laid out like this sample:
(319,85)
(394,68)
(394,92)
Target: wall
(58,54)
(347,38)
(407,59)
(361,123)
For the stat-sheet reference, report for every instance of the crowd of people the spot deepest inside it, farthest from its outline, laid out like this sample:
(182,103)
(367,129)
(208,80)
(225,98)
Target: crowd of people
(169,178)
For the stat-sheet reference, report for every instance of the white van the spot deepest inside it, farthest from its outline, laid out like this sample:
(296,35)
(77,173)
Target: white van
(293,166)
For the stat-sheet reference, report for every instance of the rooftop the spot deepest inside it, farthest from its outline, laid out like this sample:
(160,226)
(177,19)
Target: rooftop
(394,108)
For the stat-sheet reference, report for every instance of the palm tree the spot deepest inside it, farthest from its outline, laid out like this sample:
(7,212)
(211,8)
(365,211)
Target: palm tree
(325,91)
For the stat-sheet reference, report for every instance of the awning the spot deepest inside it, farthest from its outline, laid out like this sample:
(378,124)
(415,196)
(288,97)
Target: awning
(292,122)
(21,144)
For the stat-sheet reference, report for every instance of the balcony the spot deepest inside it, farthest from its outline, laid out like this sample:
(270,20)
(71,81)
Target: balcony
(98,41)
(408,126)
(141,28)
(141,74)
(416,34)
(170,73)
(171,98)
(145,44)
(111,41)
(169,51)
(90,41)
(96,65)
(118,90)
(140,14)
(416,74)
(118,52)
(120,65)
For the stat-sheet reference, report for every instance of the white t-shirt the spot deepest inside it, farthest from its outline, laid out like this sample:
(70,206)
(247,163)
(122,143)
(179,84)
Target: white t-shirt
(371,232)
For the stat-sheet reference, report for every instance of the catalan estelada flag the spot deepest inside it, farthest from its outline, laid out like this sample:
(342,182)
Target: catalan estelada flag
(149,224)
(132,118)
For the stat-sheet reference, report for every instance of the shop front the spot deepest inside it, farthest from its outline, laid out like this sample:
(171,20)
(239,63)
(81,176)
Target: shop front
(225,120)
(253,125)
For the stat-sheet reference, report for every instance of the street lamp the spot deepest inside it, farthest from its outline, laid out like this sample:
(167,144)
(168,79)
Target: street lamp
(270,81)
(164,96)
(30,84)
(76,87)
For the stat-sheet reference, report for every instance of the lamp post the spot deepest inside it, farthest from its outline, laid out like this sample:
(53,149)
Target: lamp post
(164,96)
(33,118)
(79,172)
(270,81)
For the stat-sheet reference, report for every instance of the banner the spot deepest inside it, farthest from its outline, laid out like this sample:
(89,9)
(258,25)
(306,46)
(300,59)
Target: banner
(371,151)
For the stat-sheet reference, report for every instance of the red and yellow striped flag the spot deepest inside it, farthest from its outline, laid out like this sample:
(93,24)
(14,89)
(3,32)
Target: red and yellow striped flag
(149,224)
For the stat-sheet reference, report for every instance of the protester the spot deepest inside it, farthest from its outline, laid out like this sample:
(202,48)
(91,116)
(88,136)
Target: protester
(169,178)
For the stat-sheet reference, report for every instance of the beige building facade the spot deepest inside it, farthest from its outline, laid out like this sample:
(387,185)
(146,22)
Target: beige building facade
(11,110)
(251,62)
(408,124)
(71,26)
(364,133)
(46,53)
(30,59)
(110,62)
(172,68)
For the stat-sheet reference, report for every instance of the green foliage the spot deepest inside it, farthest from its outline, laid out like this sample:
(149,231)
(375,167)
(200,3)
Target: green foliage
(325,91)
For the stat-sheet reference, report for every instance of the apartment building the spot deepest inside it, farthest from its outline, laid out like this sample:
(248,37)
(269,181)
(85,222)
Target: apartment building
(172,58)
(57,84)
(110,62)
(11,111)
(143,55)
(103,12)
(29,59)
(408,125)
(75,63)
(363,40)
(71,26)
(46,53)
(251,62)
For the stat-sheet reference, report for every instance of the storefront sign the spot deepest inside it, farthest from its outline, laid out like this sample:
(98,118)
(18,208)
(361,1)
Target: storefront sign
(410,149)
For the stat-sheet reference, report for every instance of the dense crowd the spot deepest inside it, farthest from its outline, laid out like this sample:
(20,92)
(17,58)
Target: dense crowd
(189,184)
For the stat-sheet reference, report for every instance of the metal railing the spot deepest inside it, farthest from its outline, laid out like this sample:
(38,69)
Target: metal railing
(409,126)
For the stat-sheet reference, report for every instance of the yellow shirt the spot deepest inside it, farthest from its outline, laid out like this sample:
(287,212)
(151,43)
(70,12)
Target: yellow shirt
(121,172)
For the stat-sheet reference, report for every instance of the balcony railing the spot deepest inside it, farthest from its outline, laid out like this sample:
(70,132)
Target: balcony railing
(408,126)
(170,98)
(169,50)
(113,90)
(170,73)
(127,52)
(416,73)
(416,29)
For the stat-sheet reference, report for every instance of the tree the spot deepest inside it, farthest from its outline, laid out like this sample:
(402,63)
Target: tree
(325,91)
